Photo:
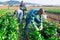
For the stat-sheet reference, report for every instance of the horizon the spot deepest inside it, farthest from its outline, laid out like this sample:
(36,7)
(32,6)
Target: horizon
(42,2)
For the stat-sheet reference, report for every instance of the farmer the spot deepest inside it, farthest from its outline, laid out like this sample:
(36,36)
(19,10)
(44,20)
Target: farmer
(32,16)
(22,7)
(19,14)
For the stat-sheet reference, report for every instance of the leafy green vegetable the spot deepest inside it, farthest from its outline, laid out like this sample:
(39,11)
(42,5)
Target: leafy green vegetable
(8,27)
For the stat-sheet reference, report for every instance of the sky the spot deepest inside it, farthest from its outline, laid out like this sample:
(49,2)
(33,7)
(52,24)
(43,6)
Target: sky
(44,2)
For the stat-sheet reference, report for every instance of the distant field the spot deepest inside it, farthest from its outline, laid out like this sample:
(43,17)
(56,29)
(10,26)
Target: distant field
(28,8)
(57,11)
(46,8)
(11,8)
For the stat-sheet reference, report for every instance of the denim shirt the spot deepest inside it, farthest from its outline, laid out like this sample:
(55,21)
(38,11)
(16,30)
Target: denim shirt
(32,13)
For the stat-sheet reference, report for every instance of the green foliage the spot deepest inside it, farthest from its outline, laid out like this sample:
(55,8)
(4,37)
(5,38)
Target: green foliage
(49,30)
(35,36)
(52,38)
(2,11)
(8,27)
(53,11)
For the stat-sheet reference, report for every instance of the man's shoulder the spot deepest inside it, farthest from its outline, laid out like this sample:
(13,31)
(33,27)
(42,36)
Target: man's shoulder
(35,9)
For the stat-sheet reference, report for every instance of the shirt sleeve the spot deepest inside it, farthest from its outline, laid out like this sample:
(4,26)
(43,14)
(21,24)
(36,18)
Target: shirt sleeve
(34,13)
(37,20)
(34,25)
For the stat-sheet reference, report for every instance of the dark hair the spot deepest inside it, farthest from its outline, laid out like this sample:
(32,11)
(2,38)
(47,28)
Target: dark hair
(40,11)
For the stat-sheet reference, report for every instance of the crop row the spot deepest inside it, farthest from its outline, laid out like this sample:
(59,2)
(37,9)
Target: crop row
(8,27)
(2,11)
(53,11)
(48,33)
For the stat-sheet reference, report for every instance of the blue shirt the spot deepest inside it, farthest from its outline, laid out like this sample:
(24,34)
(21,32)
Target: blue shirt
(32,13)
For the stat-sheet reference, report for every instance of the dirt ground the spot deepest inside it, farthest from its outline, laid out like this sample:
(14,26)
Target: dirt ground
(54,18)
(11,8)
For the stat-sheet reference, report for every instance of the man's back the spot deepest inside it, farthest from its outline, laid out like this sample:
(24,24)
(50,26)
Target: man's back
(19,13)
(32,13)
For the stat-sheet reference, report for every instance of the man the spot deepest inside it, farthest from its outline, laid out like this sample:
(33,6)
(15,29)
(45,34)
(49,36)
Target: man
(22,7)
(32,16)
(19,14)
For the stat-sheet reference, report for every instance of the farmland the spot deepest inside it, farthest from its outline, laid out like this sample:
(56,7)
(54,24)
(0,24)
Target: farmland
(11,30)
(53,11)
(8,27)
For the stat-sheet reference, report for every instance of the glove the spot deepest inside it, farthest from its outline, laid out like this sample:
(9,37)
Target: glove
(41,28)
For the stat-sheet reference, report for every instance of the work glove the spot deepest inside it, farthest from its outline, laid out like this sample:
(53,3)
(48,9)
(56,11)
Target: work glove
(40,28)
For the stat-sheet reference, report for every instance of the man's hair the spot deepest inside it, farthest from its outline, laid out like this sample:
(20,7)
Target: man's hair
(41,11)
(21,1)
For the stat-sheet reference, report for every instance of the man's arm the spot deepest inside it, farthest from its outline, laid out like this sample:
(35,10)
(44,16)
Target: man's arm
(15,13)
(37,19)
(33,23)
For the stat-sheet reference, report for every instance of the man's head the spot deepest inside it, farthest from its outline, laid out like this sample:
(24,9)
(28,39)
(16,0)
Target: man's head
(22,1)
(41,11)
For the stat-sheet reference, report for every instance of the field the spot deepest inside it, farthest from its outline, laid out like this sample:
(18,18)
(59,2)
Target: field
(11,30)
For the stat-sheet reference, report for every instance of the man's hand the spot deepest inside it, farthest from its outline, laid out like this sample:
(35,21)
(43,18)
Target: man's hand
(40,28)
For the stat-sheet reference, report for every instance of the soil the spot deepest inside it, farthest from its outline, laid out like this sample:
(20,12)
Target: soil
(54,17)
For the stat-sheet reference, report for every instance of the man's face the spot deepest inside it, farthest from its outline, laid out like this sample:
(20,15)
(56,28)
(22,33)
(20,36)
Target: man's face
(40,12)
